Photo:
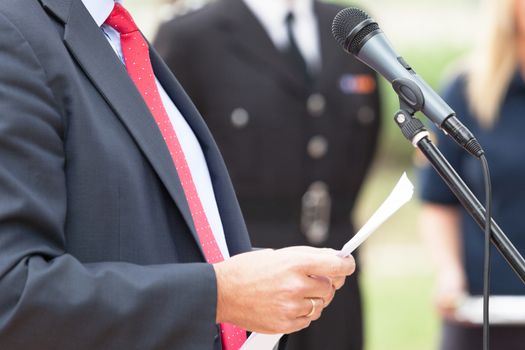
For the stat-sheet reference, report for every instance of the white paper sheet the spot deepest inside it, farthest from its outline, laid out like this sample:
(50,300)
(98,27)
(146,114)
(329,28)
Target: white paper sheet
(399,196)
(504,310)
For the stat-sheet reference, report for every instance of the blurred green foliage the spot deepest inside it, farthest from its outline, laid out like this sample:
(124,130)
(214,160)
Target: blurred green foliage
(398,313)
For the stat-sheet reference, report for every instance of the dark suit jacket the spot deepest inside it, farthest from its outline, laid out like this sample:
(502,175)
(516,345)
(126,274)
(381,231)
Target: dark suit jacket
(97,244)
(264,117)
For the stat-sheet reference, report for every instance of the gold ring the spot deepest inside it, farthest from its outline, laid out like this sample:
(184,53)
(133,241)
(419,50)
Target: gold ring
(310,314)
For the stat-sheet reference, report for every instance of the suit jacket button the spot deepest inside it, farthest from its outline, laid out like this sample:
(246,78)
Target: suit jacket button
(317,147)
(316,104)
(365,115)
(239,117)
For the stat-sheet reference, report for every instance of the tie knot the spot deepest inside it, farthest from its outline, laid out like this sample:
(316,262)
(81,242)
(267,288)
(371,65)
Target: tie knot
(121,20)
(290,18)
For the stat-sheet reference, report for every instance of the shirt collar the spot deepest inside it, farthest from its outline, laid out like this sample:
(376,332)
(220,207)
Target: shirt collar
(303,7)
(100,9)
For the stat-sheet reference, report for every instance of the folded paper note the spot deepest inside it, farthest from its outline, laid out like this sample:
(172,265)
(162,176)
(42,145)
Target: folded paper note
(399,196)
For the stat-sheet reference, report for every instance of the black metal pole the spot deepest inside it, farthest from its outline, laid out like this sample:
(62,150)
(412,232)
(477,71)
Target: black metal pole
(415,132)
(472,205)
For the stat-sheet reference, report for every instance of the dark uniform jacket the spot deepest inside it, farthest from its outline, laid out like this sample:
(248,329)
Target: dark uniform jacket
(297,152)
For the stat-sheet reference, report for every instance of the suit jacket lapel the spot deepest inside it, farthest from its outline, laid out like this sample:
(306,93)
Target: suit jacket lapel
(250,41)
(329,52)
(97,59)
(231,217)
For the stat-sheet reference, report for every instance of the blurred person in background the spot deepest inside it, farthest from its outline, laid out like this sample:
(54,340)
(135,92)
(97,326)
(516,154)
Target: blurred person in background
(297,121)
(489,97)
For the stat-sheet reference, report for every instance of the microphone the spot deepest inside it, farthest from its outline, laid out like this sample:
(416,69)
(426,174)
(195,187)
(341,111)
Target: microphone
(361,36)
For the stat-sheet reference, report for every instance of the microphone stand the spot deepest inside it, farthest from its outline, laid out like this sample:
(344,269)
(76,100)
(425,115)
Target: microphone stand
(414,130)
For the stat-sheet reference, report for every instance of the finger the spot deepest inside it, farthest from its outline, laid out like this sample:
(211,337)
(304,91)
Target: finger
(319,306)
(313,307)
(447,304)
(311,250)
(338,282)
(327,279)
(446,312)
(295,325)
(332,284)
(329,298)
(317,287)
(327,265)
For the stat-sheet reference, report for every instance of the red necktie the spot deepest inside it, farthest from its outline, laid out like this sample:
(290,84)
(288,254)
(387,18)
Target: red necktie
(136,57)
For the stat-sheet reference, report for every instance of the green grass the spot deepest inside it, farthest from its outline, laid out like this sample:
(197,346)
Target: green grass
(398,315)
(396,277)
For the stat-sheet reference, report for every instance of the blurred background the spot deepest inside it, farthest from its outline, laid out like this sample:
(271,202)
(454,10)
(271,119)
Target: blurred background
(397,275)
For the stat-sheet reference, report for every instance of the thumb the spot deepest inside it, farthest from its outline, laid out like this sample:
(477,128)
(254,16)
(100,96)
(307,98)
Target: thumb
(328,265)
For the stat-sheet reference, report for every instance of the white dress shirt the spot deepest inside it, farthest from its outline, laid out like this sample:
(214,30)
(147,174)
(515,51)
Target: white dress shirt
(272,13)
(100,11)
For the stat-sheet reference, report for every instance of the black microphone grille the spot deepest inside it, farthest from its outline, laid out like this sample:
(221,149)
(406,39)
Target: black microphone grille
(346,21)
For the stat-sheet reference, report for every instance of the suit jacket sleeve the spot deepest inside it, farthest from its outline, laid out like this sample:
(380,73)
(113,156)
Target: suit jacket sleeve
(49,299)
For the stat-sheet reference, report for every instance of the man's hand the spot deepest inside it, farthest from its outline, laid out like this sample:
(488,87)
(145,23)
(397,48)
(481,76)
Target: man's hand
(279,291)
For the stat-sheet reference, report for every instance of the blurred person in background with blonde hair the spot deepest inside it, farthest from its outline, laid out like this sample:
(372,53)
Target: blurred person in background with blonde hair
(489,97)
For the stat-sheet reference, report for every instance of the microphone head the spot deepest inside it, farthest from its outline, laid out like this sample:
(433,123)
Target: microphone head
(351,27)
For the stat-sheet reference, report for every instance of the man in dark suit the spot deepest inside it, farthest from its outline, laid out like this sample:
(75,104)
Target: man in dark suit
(117,215)
(297,122)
